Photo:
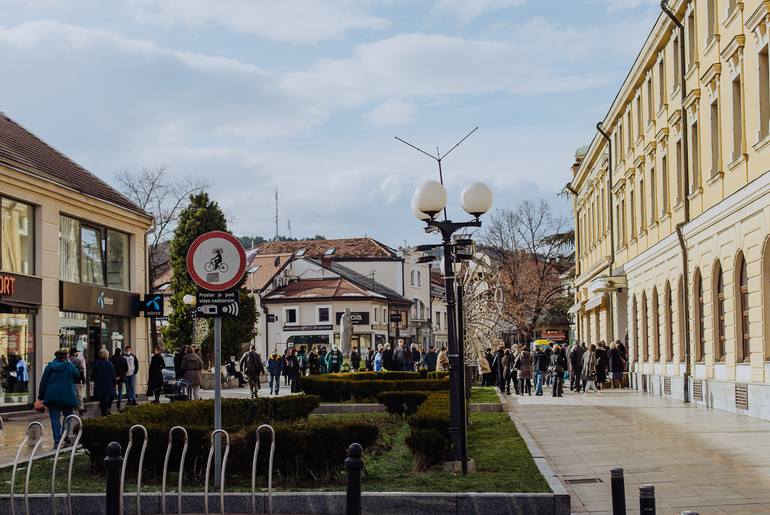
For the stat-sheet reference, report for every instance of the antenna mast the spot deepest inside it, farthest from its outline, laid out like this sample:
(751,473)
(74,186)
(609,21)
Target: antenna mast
(276,215)
(289,228)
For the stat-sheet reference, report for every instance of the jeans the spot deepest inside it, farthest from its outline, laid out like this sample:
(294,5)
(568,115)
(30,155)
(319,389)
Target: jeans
(131,388)
(121,383)
(539,382)
(56,412)
(405,368)
(558,384)
(277,380)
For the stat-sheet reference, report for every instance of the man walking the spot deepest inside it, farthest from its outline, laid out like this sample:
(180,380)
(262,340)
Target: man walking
(79,363)
(430,359)
(57,391)
(130,377)
(274,369)
(121,368)
(403,358)
(540,362)
(355,360)
(334,360)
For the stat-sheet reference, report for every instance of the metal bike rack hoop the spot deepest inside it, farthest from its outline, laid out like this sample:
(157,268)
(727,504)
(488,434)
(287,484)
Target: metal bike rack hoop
(269,471)
(222,475)
(65,434)
(141,463)
(181,469)
(29,466)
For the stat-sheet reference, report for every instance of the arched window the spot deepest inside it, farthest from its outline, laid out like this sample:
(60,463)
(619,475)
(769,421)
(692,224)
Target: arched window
(700,318)
(644,343)
(742,296)
(634,343)
(719,314)
(684,318)
(669,323)
(655,325)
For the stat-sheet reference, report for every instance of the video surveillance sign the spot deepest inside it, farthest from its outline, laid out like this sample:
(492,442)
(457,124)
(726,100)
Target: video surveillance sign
(210,304)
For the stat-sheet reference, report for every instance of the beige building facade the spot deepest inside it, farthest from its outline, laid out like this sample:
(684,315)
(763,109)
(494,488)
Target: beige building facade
(672,210)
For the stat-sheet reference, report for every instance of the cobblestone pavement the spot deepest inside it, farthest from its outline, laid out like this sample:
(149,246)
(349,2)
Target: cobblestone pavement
(698,459)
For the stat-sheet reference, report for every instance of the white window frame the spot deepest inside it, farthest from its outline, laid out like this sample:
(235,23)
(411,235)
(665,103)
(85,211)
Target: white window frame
(318,309)
(286,309)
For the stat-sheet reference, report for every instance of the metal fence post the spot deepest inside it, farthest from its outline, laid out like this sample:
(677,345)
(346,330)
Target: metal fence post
(353,465)
(646,500)
(113,463)
(617,483)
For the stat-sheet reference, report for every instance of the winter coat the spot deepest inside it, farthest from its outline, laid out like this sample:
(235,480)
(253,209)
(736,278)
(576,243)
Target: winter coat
(313,361)
(525,365)
(491,361)
(80,365)
(443,362)
(330,356)
(178,365)
(430,361)
(403,357)
(355,360)
(57,386)
(540,361)
(378,362)
(121,366)
(415,355)
(507,362)
(616,361)
(387,360)
(103,375)
(484,367)
(602,359)
(291,366)
(589,366)
(275,364)
(558,360)
(155,373)
(191,369)
(576,358)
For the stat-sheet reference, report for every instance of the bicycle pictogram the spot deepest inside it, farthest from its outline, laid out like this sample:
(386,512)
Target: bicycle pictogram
(216,263)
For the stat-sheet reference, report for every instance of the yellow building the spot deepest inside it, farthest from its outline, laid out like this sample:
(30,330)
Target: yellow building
(672,210)
(72,263)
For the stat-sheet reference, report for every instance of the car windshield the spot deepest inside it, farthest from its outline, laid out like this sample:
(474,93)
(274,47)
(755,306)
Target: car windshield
(168,359)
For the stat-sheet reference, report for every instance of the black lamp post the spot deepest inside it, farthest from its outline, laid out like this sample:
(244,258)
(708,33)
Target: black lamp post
(430,199)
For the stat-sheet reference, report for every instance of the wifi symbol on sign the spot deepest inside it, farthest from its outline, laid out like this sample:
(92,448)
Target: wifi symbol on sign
(231,308)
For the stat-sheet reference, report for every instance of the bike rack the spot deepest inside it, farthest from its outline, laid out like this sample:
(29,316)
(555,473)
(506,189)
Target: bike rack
(269,471)
(165,470)
(222,474)
(65,434)
(125,463)
(29,466)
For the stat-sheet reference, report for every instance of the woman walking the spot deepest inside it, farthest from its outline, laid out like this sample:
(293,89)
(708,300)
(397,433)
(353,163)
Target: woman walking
(589,370)
(191,368)
(558,364)
(155,375)
(507,363)
(617,365)
(103,375)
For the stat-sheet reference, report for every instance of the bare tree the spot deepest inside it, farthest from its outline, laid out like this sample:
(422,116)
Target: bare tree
(163,197)
(530,248)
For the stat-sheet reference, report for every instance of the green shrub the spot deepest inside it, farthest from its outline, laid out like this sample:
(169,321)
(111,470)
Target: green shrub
(334,387)
(428,446)
(401,403)
(437,375)
(429,438)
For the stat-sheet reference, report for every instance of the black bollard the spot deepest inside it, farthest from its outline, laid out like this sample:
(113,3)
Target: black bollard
(689,513)
(646,500)
(114,464)
(617,483)
(353,466)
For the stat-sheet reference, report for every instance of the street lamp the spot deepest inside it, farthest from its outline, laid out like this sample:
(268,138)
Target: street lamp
(430,199)
(191,301)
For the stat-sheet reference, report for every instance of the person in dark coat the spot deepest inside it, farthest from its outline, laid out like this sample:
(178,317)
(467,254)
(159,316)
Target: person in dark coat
(523,365)
(192,365)
(355,359)
(617,365)
(103,376)
(491,375)
(497,368)
(540,362)
(416,358)
(575,357)
(57,391)
(602,362)
(558,365)
(507,365)
(178,355)
(388,363)
(121,367)
(155,374)
(291,366)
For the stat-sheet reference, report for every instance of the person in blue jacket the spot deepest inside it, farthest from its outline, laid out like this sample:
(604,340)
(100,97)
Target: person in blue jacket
(57,391)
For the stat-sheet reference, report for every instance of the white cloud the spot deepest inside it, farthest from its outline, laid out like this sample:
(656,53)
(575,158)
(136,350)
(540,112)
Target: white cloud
(621,5)
(467,10)
(287,21)
(390,113)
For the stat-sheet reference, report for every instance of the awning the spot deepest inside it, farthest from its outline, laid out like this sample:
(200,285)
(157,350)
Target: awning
(575,308)
(594,301)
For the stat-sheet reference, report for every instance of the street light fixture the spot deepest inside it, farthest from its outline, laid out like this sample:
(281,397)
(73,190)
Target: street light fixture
(428,200)
(191,301)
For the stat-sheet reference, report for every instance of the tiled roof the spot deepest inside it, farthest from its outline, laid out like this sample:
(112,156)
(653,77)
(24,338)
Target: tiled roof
(366,282)
(22,149)
(267,266)
(347,248)
(309,289)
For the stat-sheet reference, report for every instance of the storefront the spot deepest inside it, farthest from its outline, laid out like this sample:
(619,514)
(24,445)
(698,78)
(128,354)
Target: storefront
(20,298)
(94,317)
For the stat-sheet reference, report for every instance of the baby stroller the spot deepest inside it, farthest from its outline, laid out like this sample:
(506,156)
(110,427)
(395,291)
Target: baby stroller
(182,391)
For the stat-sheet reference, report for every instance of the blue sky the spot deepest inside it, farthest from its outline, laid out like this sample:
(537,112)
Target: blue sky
(307,96)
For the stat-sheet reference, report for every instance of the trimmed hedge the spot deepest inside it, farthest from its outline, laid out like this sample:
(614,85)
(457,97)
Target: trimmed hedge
(333,388)
(437,375)
(303,450)
(429,438)
(401,403)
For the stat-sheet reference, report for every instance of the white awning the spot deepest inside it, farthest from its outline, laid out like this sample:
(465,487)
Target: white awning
(575,308)
(594,301)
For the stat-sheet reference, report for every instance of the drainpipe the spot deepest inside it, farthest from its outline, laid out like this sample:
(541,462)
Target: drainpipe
(574,193)
(612,226)
(686,177)
(153,339)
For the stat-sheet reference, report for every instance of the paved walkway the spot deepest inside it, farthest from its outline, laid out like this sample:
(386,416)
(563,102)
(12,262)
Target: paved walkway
(15,423)
(698,459)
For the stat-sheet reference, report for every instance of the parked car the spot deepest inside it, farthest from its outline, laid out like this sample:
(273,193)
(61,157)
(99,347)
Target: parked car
(169,373)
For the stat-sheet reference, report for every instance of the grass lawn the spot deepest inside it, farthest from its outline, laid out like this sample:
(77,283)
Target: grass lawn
(484,394)
(502,460)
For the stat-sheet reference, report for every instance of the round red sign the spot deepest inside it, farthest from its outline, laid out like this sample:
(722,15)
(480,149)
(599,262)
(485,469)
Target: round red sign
(216,261)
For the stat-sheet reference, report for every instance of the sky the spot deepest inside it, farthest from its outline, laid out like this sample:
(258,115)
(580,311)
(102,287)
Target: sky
(308,97)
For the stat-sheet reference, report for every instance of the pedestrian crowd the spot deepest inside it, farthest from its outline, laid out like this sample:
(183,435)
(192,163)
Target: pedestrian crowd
(587,368)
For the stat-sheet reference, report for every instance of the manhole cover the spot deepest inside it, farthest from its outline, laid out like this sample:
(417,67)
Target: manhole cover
(583,481)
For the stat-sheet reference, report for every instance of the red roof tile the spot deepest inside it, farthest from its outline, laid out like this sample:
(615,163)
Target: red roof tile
(309,289)
(22,149)
(347,248)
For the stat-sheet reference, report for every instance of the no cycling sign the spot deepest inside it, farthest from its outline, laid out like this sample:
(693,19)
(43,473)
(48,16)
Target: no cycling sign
(216,261)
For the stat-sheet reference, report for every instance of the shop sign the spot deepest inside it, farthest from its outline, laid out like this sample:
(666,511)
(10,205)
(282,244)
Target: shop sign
(270,317)
(325,327)
(379,327)
(356,317)
(395,317)
(85,298)
(152,305)
(21,288)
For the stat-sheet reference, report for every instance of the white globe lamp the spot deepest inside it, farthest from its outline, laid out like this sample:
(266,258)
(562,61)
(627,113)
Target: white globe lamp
(429,198)
(476,199)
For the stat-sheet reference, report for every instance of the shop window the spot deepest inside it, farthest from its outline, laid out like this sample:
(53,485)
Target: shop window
(17,358)
(117,260)
(93,255)
(719,313)
(17,238)
(290,315)
(743,311)
(656,326)
(323,314)
(669,323)
(645,328)
(700,317)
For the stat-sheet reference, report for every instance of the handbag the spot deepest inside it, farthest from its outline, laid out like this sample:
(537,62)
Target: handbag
(39,406)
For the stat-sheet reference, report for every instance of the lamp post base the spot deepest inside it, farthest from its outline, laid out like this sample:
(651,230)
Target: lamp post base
(456,467)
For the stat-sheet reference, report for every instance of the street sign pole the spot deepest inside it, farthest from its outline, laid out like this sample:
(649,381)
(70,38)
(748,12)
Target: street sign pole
(217,400)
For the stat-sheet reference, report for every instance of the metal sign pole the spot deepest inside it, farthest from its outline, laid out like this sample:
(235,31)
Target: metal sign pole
(217,400)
